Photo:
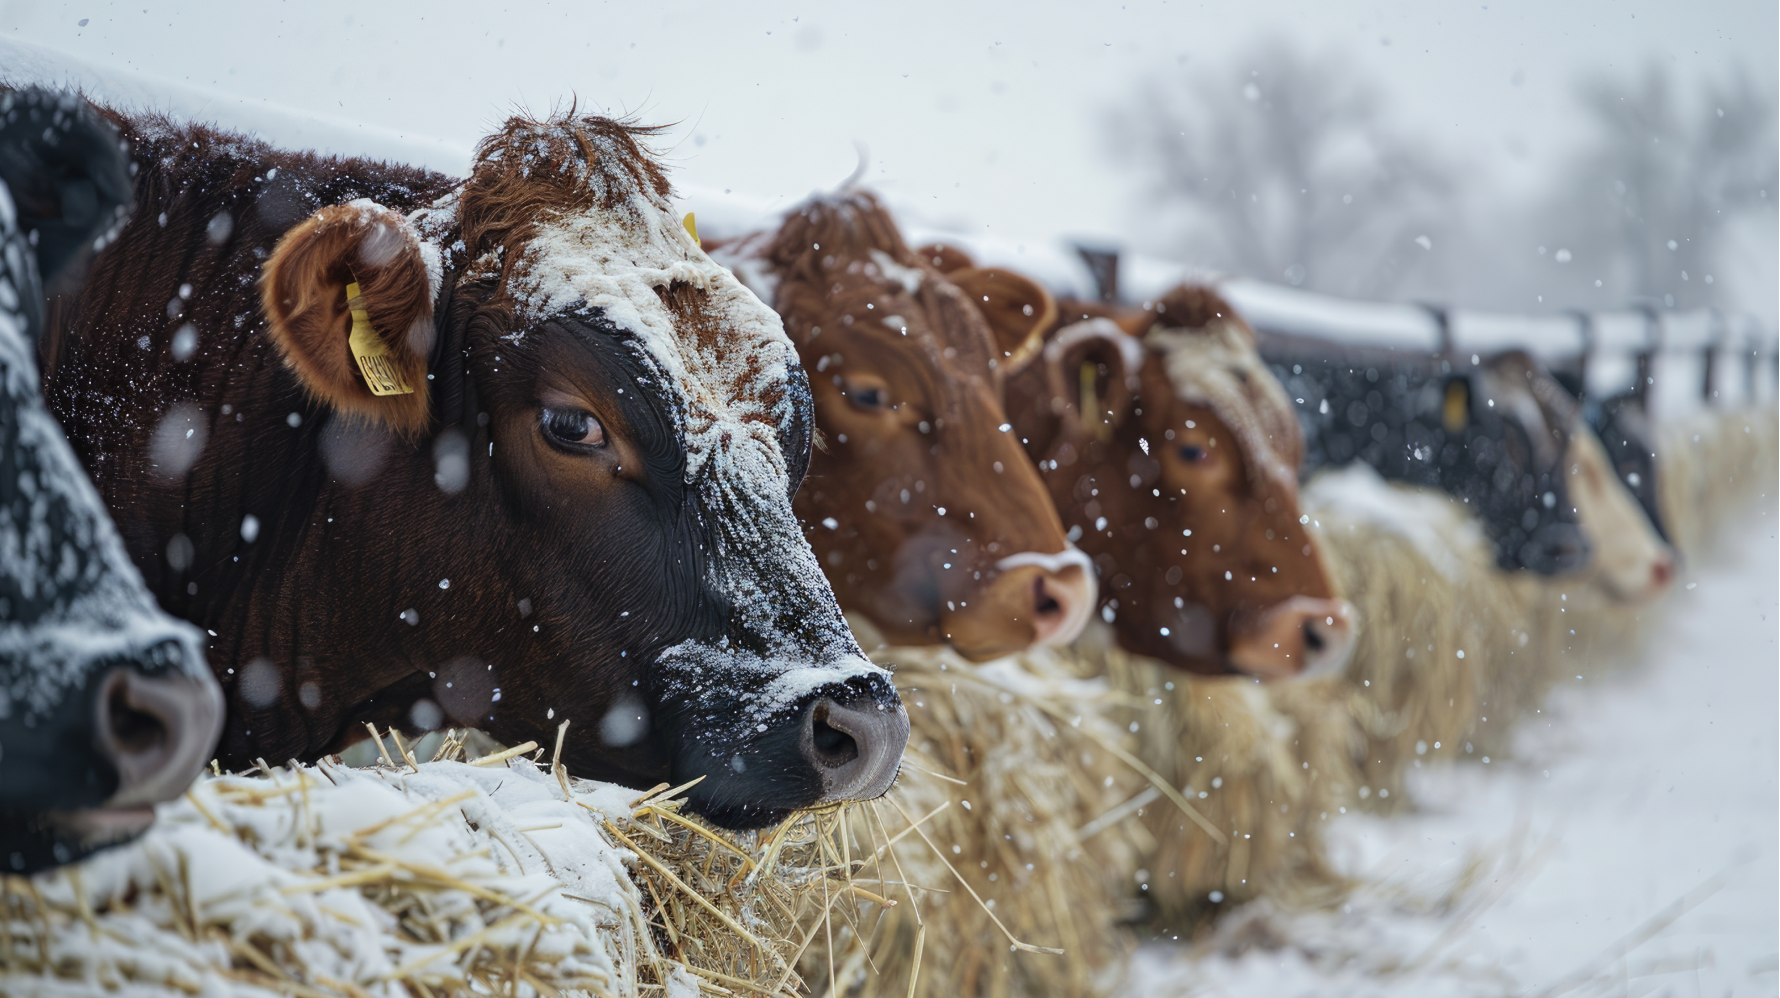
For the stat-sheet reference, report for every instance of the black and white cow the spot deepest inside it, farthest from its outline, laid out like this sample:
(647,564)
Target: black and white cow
(1485,431)
(106,706)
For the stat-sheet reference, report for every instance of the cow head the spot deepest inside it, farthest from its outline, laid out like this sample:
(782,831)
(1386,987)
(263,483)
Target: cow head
(921,504)
(1174,459)
(1622,424)
(602,430)
(106,705)
(1515,423)
(1610,481)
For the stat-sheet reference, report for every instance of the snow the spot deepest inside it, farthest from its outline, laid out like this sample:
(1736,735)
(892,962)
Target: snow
(1429,519)
(255,860)
(1628,845)
(68,591)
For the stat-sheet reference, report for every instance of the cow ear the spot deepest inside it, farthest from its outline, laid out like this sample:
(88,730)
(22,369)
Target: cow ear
(1092,370)
(349,297)
(945,258)
(1017,309)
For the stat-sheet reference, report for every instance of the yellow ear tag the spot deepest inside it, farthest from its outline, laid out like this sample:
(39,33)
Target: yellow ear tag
(1457,411)
(1093,419)
(691,227)
(381,374)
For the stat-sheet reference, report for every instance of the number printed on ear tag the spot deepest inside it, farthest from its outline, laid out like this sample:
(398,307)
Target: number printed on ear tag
(380,372)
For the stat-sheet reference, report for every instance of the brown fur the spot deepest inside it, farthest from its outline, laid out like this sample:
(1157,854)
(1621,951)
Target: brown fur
(531,170)
(935,436)
(303,289)
(1239,495)
(521,578)
(1017,311)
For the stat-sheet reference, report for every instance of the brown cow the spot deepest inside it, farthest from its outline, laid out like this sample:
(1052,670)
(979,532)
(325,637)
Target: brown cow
(1173,453)
(506,452)
(921,505)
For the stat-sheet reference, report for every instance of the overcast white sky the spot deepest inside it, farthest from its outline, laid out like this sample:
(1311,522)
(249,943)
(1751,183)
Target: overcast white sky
(987,115)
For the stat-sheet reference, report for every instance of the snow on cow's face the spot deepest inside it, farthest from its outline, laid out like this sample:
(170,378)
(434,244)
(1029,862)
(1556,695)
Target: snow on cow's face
(647,422)
(106,707)
(621,426)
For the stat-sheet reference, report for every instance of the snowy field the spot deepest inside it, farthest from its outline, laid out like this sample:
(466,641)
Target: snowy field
(1628,848)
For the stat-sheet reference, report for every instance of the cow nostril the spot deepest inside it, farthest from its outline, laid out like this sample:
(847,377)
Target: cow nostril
(1313,639)
(1043,603)
(133,731)
(834,747)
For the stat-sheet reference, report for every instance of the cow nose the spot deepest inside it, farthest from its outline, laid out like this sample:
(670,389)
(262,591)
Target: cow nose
(855,745)
(1035,599)
(1298,636)
(158,731)
(1060,604)
(1662,571)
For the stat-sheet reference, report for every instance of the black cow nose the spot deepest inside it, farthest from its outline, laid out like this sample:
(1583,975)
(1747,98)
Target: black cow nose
(157,730)
(855,745)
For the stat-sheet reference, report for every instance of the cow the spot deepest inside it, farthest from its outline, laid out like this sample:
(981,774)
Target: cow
(1478,430)
(1632,561)
(1622,422)
(106,706)
(1172,454)
(921,504)
(508,451)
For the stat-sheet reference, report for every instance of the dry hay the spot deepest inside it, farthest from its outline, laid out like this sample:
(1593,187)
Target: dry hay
(437,878)
(1445,639)
(1450,653)
(1251,758)
(1015,779)
(1710,466)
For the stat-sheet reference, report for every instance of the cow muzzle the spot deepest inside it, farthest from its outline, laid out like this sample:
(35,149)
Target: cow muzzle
(841,742)
(1036,599)
(158,731)
(1296,637)
(855,744)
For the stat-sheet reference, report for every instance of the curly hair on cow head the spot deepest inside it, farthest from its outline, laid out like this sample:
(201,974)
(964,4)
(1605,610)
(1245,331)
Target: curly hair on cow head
(1195,306)
(847,225)
(532,170)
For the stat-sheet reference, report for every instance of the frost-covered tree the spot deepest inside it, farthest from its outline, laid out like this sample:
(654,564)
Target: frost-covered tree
(1279,164)
(1670,194)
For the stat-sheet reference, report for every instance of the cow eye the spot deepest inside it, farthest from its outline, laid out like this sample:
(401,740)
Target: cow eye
(1192,454)
(869,397)
(571,427)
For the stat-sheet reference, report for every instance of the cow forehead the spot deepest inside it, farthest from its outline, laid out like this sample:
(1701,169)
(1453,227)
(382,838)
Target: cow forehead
(727,374)
(1217,367)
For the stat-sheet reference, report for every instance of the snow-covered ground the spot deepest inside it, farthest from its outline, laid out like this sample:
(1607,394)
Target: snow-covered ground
(1628,848)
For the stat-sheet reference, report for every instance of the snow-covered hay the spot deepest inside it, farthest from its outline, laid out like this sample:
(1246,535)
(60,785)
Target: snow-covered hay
(1013,779)
(433,879)
(1710,465)
(1450,651)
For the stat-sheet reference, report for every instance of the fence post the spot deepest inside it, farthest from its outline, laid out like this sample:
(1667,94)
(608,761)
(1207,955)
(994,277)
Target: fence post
(1715,337)
(1585,326)
(1653,344)
(1103,266)
(1442,327)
